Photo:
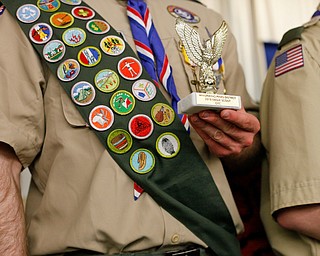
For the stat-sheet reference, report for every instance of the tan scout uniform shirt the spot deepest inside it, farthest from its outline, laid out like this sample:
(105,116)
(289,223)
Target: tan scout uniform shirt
(290,124)
(79,197)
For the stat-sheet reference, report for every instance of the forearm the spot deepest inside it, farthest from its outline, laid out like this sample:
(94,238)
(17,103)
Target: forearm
(12,224)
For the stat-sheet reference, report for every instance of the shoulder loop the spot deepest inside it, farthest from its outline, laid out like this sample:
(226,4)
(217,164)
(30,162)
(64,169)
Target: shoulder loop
(291,35)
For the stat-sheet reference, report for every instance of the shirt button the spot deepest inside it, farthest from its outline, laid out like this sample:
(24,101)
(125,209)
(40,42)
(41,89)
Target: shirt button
(175,239)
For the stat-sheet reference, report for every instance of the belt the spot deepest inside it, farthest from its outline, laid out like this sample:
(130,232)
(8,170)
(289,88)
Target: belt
(184,252)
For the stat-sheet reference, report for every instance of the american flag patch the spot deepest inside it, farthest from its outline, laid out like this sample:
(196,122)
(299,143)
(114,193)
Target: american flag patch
(289,60)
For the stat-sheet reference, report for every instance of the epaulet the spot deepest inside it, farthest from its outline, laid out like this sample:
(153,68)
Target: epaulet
(291,35)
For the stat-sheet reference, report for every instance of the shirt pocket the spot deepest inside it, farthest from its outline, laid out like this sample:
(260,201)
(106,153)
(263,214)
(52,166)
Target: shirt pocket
(70,112)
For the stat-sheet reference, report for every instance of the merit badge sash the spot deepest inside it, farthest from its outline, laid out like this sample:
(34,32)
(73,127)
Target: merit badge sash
(128,113)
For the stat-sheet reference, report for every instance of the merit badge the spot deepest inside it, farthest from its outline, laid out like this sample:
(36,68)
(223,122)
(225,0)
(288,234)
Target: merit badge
(48,5)
(83,12)
(71,2)
(101,118)
(40,33)
(130,68)
(144,90)
(61,20)
(83,93)
(186,15)
(122,102)
(2,8)
(98,26)
(54,51)
(28,13)
(162,114)
(107,80)
(89,56)
(142,161)
(168,145)
(141,126)
(74,36)
(68,70)
(119,141)
(112,45)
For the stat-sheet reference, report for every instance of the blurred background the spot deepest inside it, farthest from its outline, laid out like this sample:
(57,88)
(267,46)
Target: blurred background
(258,26)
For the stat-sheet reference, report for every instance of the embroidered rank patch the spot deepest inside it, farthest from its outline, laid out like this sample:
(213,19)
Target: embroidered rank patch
(186,15)
(289,60)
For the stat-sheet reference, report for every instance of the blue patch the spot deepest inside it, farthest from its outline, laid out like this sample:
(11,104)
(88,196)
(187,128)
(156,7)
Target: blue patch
(2,8)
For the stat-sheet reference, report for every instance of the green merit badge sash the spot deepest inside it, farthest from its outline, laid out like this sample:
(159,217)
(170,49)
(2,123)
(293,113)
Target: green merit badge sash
(130,116)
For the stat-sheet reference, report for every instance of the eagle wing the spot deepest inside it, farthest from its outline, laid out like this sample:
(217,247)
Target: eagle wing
(217,41)
(190,39)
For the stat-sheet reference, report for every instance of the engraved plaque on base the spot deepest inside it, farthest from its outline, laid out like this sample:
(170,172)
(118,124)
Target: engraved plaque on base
(197,101)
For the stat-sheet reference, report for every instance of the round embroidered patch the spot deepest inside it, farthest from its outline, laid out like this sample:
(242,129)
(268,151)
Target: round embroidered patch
(162,114)
(40,33)
(48,5)
(101,118)
(83,93)
(61,20)
(168,145)
(141,126)
(142,161)
(71,2)
(112,45)
(107,80)
(122,102)
(54,51)
(74,36)
(144,90)
(119,141)
(186,15)
(68,70)
(83,12)
(130,68)
(28,13)
(89,56)
(98,26)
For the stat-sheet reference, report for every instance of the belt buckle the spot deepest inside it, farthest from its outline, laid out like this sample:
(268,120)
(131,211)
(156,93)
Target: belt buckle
(190,252)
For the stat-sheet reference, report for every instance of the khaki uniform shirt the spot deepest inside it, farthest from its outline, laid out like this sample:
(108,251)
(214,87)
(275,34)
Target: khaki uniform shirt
(290,133)
(79,197)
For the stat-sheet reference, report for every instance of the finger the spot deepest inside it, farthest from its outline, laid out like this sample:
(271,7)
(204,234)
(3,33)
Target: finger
(241,119)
